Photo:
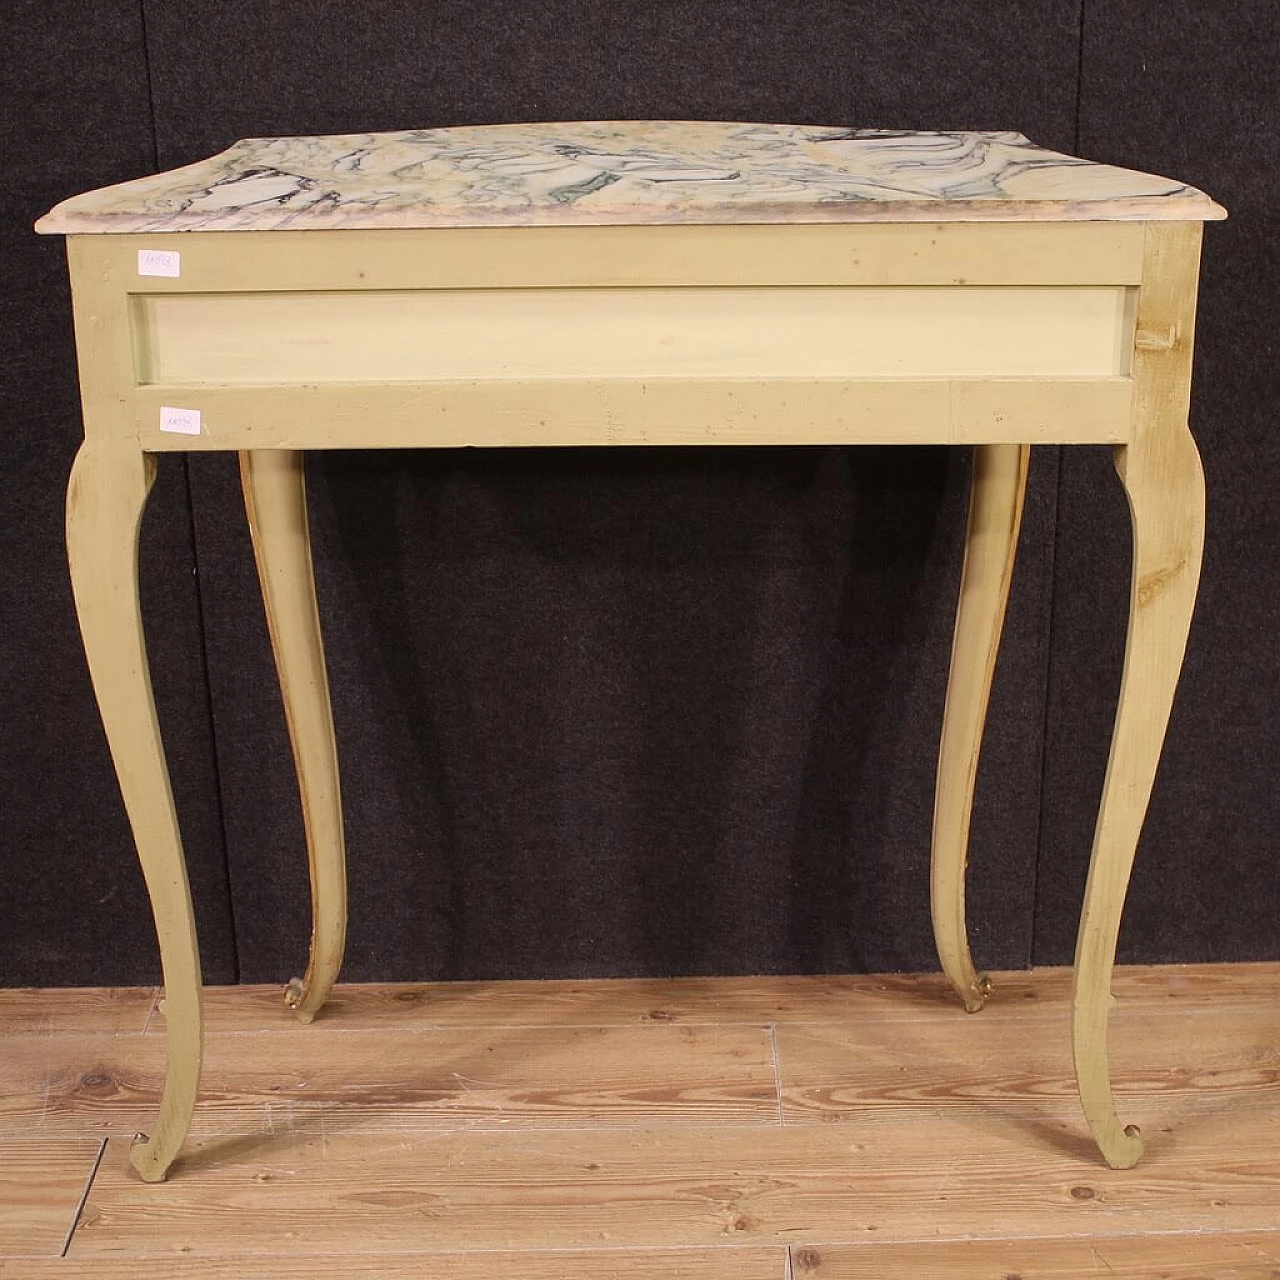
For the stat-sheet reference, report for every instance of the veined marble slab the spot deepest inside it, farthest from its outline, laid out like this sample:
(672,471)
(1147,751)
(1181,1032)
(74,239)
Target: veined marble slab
(626,172)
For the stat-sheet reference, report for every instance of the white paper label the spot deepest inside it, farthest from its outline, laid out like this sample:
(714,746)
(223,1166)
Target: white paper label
(160,262)
(185,421)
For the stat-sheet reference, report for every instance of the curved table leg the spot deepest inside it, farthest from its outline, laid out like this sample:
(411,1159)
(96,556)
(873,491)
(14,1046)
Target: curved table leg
(105,498)
(275,499)
(1162,477)
(1166,500)
(995,515)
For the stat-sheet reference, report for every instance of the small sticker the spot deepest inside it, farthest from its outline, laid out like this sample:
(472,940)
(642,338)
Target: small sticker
(160,262)
(185,421)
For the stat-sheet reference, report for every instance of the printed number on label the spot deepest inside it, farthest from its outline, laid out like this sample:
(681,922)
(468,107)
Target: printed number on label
(160,262)
(185,421)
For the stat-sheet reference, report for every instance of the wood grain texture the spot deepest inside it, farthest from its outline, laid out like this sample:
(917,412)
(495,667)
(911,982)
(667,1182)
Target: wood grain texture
(896,997)
(32,1010)
(1171,1070)
(41,1185)
(677,1074)
(546,1264)
(297,1078)
(1211,1256)
(958,1149)
(604,1002)
(878,1179)
(1202,1256)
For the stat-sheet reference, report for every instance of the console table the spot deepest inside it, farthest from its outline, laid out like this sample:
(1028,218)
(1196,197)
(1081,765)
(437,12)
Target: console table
(627,284)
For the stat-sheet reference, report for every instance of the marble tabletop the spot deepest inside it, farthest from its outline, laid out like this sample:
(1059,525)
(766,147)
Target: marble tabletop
(626,172)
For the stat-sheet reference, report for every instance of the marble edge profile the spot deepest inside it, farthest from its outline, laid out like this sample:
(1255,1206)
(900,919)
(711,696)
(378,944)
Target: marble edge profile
(1184,206)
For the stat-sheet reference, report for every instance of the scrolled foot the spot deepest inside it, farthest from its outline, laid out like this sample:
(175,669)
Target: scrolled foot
(975,994)
(295,996)
(1122,1148)
(146,1157)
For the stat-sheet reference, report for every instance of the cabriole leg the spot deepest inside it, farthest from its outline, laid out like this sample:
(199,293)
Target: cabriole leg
(1160,469)
(1166,501)
(275,499)
(105,499)
(995,515)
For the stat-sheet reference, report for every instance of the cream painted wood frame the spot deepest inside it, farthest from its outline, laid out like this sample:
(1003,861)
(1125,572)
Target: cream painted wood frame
(998,335)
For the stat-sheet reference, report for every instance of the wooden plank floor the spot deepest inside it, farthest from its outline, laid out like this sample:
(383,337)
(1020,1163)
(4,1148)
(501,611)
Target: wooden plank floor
(733,1129)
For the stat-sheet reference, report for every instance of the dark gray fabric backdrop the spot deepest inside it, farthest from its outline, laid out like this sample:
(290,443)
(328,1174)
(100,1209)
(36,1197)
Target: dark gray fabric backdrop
(638,711)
